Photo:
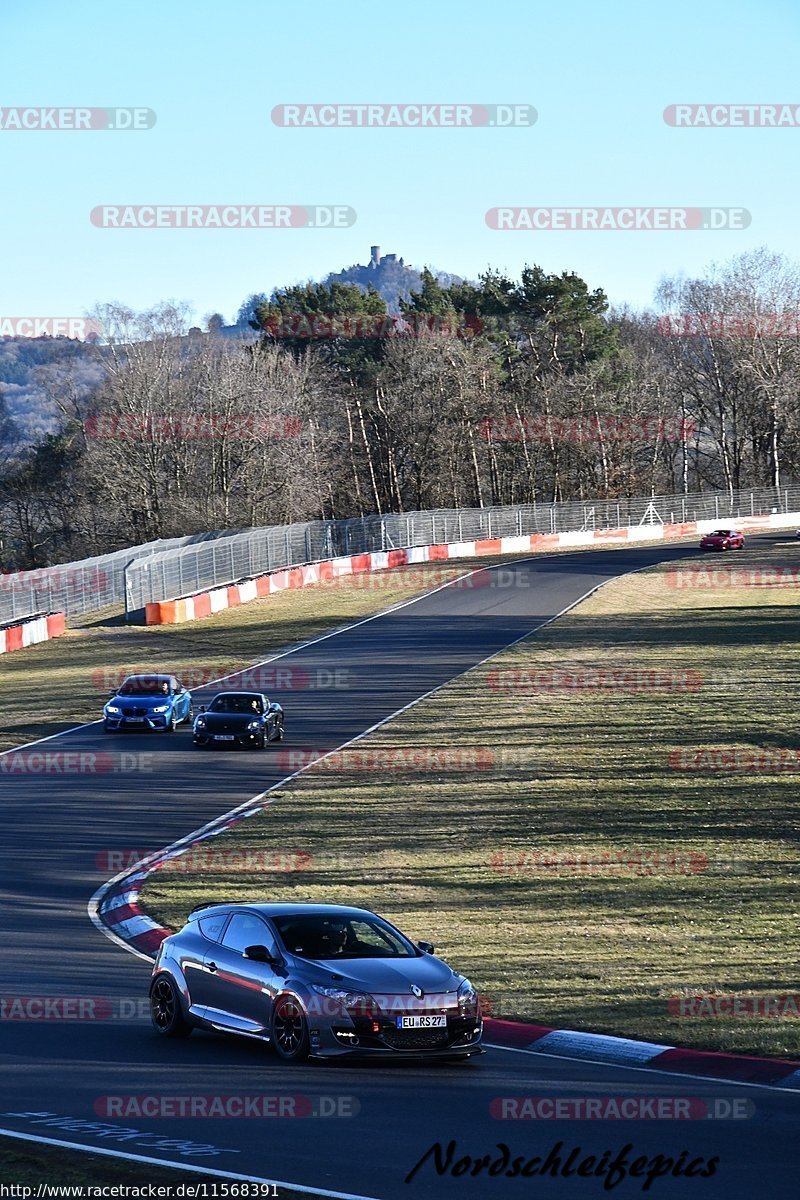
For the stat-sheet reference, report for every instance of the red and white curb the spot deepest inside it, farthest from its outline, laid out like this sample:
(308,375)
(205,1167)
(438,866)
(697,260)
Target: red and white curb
(625,1052)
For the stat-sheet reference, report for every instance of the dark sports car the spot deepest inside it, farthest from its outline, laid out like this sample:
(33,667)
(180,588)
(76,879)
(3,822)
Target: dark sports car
(319,981)
(245,719)
(144,702)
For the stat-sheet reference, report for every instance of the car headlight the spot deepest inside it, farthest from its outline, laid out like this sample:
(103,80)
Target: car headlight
(359,1004)
(254,725)
(161,708)
(112,708)
(467,999)
(200,723)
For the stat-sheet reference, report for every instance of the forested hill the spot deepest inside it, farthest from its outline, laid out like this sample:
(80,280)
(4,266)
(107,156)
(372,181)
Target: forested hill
(34,371)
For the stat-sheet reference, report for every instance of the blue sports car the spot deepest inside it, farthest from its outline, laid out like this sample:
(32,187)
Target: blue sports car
(147,702)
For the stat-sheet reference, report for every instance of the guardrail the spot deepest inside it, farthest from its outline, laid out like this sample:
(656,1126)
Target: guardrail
(174,567)
(84,586)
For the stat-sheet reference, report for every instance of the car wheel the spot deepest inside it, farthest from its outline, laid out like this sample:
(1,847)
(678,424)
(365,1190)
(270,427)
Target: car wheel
(279,732)
(289,1031)
(166,1013)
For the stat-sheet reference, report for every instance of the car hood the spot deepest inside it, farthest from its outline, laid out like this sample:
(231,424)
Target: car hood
(386,976)
(229,720)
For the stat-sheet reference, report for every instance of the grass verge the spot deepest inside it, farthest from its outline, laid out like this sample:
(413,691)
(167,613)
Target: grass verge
(580,868)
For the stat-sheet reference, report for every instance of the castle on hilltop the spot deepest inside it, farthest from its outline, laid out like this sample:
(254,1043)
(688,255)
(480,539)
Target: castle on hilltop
(377,260)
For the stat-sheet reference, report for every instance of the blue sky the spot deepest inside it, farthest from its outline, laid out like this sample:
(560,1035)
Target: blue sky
(599,76)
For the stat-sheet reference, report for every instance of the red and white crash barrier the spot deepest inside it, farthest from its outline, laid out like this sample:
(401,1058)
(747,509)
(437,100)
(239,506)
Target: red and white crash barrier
(31,631)
(203,604)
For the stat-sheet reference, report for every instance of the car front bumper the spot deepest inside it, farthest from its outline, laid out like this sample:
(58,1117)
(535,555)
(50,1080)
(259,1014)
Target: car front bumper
(154,721)
(461,1039)
(249,739)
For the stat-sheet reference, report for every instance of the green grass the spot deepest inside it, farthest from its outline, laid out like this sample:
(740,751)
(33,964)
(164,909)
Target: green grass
(51,686)
(565,774)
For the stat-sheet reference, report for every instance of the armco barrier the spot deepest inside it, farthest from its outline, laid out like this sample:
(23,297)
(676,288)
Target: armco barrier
(189,608)
(31,632)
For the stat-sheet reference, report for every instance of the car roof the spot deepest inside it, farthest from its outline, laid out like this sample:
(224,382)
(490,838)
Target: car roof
(280,910)
(145,677)
(247,695)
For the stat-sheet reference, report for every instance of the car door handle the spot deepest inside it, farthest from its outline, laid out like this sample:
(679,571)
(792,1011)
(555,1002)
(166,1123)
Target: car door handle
(212,966)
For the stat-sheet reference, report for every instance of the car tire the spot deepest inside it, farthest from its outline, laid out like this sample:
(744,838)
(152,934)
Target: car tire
(289,1030)
(166,1013)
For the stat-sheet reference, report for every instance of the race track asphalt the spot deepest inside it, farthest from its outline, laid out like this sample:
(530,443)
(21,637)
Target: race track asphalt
(58,1070)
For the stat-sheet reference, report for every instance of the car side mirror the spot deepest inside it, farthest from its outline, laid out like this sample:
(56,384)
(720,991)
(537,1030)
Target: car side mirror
(202,708)
(260,954)
(425,947)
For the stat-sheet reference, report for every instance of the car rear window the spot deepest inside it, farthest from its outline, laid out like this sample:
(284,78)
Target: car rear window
(211,927)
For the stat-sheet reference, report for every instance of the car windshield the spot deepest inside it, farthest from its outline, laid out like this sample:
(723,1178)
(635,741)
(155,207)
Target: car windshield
(722,533)
(357,936)
(144,685)
(236,704)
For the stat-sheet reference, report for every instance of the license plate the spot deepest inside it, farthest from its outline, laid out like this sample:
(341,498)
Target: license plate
(135,720)
(224,737)
(438,1021)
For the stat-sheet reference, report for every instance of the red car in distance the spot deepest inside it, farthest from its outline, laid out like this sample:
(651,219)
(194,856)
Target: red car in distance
(723,539)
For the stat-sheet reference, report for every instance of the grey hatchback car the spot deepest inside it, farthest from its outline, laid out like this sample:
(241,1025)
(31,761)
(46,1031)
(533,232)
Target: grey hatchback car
(312,980)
